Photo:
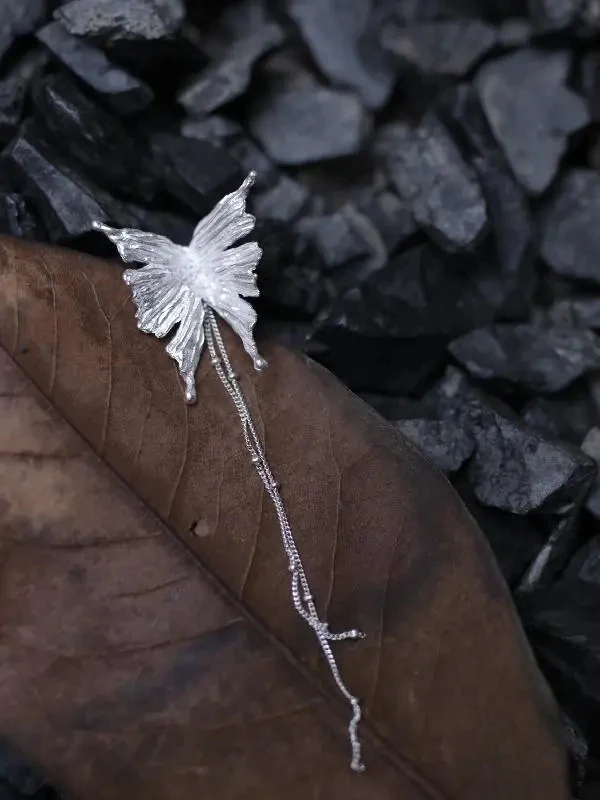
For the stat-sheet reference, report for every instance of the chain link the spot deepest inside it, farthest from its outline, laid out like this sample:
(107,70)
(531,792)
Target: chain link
(301,595)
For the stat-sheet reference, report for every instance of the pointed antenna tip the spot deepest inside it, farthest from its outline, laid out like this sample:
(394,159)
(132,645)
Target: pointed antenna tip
(250,180)
(100,226)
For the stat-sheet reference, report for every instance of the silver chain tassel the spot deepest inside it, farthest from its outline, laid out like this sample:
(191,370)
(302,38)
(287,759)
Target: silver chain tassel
(301,594)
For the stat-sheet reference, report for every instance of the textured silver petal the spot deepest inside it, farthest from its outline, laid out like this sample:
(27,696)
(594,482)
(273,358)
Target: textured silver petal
(177,283)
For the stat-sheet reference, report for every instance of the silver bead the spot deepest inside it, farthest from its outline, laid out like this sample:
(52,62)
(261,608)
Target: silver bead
(260,363)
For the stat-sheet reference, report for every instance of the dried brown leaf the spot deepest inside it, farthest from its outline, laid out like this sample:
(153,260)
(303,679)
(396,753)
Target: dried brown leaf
(123,669)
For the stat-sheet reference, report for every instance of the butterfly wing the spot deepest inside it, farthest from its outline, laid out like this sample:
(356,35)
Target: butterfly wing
(227,222)
(141,246)
(161,299)
(234,267)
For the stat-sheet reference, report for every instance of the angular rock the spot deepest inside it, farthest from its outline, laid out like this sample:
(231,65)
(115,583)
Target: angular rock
(513,468)
(92,139)
(391,366)
(561,622)
(514,32)
(569,416)
(231,22)
(515,540)
(421,292)
(251,157)
(592,150)
(580,17)
(68,204)
(18,18)
(124,92)
(408,11)
(344,44)
(391,217)
(531,111)
(441,48)
(561,541)
(443,441)
(113,21)
(579,751)
(538,414)
(589,18)
(538,357)
(292,275)
(310,124)
(589,85)
(591,446)
(430,174)
(283,202)
(553,15)
(196,172)
(344,239)
(17,218)
(13,89)
(460,109)
(570,234)
(285,70)
(215,129)
(579,312)
(593,387)
(411,10)
(224,132)
(228,75)
(512,227)
(176,227)
(508,207)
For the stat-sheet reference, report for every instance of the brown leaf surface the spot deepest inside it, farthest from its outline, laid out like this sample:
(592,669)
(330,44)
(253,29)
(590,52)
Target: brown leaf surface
(122,668)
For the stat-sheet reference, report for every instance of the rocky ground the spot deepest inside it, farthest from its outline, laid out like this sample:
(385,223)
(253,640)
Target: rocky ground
(429,205)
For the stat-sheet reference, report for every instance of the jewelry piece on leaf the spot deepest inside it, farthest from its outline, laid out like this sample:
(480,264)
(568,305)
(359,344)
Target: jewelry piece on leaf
(178,283)
(185,286)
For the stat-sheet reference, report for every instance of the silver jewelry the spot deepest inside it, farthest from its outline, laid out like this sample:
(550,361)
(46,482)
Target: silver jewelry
(178,283)
(188,286)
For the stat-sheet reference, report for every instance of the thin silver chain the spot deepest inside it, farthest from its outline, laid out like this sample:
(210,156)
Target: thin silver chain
(301,594)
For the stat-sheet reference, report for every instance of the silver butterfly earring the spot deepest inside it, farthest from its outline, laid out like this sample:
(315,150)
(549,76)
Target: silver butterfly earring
(188,287)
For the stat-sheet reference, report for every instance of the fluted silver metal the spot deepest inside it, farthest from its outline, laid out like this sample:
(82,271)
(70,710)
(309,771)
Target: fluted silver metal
(177,283)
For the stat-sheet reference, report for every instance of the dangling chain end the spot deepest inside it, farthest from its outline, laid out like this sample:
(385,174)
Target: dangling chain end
(356,763)
(301,595)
